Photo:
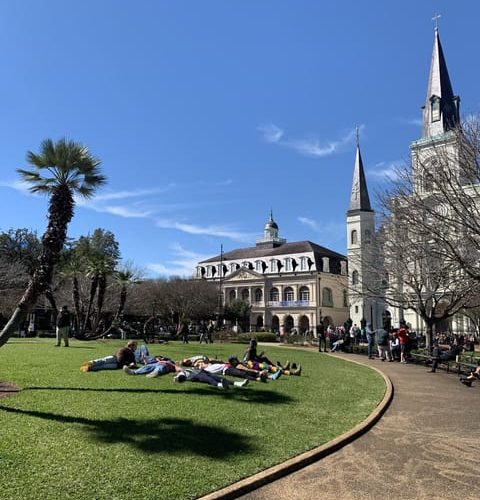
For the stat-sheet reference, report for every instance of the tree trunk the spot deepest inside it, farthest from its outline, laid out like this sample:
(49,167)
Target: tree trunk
(93,291)
(53,304)
(76,305)
(102,286)
(60,213)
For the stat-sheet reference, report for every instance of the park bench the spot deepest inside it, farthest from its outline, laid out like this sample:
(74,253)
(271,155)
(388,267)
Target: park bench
(462,365)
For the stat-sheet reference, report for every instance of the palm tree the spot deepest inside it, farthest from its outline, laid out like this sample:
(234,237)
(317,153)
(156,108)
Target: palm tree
(61,170)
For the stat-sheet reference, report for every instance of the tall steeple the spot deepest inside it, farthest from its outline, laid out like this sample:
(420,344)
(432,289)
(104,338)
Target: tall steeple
(359,199)
(441,111)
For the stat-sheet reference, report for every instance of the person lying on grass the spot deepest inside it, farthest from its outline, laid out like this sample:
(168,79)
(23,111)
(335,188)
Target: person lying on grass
(161,366)
(221,368)
(474,374)
(202,376)
(123,357)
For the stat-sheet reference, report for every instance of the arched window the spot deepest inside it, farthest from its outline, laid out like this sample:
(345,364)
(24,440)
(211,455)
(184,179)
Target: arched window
(354,237)
(245,295)
(232,295)
(288,294)
(288,264)
(345,298)
(355,278)
(258,295)
(304,293)
(327,297)
(274,295)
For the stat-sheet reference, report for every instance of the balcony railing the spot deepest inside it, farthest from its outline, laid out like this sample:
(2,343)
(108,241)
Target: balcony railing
(289,303)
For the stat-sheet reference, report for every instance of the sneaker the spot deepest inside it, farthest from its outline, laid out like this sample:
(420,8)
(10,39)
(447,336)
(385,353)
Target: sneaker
(86,367)
(128,370)
(243,383)
(223,385)
(276,375)
(152,374)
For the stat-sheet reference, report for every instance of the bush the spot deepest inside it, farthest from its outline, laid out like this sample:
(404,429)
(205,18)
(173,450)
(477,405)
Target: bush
(260,336)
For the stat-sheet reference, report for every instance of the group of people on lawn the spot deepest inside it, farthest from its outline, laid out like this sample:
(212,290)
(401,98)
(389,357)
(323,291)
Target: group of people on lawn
(253,367)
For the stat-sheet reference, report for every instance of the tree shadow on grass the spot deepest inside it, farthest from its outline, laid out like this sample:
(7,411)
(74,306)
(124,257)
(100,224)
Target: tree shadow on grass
(248,395)
(163,435)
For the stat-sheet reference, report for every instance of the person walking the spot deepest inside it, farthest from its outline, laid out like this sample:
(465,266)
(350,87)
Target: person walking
(63,326)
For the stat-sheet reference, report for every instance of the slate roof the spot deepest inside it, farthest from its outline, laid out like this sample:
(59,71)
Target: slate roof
(295,247)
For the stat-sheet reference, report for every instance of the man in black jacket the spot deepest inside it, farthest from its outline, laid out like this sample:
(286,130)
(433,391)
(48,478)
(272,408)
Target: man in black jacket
(63,326)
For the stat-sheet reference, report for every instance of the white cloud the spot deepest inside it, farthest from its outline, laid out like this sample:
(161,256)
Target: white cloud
(212,230)
(308,147)
(386,170)
(270,132)
(182,264)
(417,122)
(308,222)
(135,193)
(20,186)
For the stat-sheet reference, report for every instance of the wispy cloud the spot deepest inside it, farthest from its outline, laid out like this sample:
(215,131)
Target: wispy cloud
(386,170)
(134,193)
(270,132)
(17,186)
(312,147)
(212,230)
(417,122)
(330,231)
(182,264)
(308,222)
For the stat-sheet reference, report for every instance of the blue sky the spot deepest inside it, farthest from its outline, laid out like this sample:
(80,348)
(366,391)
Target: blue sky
(207,114)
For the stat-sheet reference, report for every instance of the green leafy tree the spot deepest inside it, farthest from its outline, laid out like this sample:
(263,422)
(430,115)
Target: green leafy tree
(61,170)
(238,310)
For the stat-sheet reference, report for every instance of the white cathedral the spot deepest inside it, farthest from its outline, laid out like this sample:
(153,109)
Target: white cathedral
(300,284)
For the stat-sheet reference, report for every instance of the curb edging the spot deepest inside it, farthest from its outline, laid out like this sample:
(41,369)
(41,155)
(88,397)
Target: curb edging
(271,474)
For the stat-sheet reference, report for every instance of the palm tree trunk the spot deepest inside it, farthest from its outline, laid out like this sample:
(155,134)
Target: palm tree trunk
(93,291)
(76,305)
(60,213)
(102,286)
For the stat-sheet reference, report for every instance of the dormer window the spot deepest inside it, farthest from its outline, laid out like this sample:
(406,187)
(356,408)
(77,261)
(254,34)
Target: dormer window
(288,264)
(233,267)
(303,264)
(274,266)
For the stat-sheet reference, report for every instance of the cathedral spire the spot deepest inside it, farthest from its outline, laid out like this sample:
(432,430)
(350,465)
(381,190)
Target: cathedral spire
(441,111)
(359,199)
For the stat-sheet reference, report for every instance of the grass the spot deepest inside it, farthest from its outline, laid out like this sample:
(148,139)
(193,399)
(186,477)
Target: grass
(104,435)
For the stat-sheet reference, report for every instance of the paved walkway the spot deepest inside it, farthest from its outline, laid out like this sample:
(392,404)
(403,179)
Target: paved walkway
(427,445)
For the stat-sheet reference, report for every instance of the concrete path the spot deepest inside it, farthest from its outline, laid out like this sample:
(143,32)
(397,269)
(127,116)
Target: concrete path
(426,445)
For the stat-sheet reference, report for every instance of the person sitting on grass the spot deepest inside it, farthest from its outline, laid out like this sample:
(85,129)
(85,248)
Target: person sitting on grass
(202,376)
(123,357)
(161,366)
(260,362)
(474,374)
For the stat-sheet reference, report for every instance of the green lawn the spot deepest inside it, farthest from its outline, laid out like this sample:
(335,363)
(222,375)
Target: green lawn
(107,435)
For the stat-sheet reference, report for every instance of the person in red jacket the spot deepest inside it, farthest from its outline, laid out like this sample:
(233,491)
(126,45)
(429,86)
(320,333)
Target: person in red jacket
(402,336)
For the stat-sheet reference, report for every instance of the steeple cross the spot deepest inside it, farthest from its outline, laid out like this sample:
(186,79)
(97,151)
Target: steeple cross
(435,19)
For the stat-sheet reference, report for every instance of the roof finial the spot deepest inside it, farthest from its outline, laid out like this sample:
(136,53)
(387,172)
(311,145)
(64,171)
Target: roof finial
(435,19)
(271,214)
(357,135)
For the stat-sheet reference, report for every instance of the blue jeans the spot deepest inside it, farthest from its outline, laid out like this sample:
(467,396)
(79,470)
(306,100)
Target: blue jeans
(141,353)
(106,363)
(370,349)
(160,368)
